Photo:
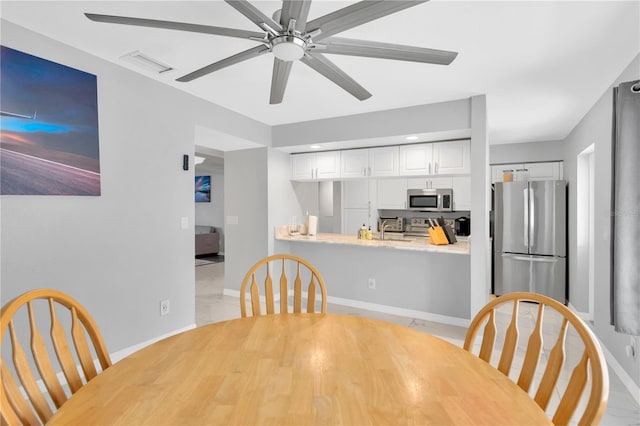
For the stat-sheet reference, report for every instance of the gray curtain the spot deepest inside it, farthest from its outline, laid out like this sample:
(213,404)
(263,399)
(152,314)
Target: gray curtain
(625,214)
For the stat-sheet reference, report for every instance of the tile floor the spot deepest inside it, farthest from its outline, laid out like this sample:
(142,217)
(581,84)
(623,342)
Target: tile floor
(213,306)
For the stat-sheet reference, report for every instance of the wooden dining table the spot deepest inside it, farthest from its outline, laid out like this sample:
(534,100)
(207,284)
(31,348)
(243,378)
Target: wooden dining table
(299,369)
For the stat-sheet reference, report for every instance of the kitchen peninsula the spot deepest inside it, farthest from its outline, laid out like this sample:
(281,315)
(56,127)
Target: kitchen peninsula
(405,277)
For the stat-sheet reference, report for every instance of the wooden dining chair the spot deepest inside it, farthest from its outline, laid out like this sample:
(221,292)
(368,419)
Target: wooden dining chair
(590,368)
(44,385)
(286,264)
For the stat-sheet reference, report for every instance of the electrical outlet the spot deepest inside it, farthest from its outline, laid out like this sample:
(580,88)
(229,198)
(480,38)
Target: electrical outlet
(372,283)
(165,308)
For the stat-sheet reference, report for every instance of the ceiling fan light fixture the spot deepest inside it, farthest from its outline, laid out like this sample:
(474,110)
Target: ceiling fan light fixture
(288,47)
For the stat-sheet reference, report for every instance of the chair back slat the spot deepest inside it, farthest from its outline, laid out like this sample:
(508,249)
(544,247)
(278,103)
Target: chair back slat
(255,296)
(76,322)
(590,371)
(284,291)
(489,340)
(268,292)
(43,362)
(297,291)
(573,392)
(27,378)
(510,342)
(63,351)
(311,296)
(534,350)
(552,371)
(15,409)
(303,270)
(82,349)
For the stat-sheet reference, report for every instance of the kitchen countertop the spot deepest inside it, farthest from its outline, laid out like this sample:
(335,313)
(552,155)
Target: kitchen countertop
(411,243)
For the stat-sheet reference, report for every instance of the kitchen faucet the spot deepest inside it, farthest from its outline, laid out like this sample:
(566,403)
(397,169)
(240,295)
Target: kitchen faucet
(383,224)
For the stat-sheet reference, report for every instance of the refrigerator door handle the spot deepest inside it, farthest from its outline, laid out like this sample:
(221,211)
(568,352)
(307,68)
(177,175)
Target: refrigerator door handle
(525,197)
(531,258)
(532,214)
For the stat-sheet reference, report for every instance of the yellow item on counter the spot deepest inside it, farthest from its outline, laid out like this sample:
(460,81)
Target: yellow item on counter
(369,234)
(437,236)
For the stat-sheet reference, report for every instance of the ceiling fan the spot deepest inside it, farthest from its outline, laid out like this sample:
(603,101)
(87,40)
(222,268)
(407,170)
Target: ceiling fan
(290,38)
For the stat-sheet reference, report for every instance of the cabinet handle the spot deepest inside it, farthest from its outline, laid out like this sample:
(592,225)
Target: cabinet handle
(364,171)
(436,171)
(429,168)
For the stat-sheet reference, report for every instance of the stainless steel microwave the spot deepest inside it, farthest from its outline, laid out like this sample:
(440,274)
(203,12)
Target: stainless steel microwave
(430,200)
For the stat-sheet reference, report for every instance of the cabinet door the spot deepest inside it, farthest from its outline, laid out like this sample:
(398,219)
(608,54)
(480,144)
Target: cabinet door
(328,165)
(384,161)
(461,192)
(429,183)
(392,194)
(302,166)
(352,220)
(416,159)
(544,171)
(354,163)
(497,169)
(356,194)
(452,157)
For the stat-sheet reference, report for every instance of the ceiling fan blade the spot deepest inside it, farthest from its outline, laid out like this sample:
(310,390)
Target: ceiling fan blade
(295,9)
(373,49)
(254,15)
(281,71)
(239,57)
(335,74)
(354,15)
(169,25)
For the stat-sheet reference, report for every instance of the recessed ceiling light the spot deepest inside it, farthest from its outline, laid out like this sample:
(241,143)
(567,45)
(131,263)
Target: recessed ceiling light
(145,61)
(412,138)
(315,147)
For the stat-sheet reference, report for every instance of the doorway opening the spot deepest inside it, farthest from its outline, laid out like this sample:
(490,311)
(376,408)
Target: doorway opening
(585,230)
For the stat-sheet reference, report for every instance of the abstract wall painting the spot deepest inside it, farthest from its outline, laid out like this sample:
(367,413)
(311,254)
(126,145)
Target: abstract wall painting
(203,189)
(48,127)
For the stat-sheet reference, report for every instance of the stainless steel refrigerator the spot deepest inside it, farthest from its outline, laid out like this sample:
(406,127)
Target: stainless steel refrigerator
(530,234)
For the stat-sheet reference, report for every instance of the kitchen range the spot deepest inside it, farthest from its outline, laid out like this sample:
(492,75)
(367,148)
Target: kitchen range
(419,227)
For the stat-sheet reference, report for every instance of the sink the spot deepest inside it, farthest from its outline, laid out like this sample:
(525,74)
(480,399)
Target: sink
(393,239)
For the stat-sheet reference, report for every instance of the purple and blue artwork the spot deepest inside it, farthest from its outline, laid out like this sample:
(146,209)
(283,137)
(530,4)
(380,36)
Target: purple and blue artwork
(48,127)
(203,189)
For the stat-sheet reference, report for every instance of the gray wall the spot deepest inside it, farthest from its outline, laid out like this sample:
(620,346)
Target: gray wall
(595,128)
(120,253)
(245,199)
(526,152)
(212,214)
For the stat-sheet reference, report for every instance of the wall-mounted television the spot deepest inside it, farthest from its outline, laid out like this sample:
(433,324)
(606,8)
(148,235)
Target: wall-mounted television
(203,189)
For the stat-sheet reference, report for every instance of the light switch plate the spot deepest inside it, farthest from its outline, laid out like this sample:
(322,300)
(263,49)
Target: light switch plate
(184,222)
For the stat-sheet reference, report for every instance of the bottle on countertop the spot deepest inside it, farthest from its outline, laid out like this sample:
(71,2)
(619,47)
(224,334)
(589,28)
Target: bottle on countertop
(369,234)
(363,232)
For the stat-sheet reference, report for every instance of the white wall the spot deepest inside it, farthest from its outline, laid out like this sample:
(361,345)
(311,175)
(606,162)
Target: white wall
(120,253)
(212,214)
(526,152)
(595,128)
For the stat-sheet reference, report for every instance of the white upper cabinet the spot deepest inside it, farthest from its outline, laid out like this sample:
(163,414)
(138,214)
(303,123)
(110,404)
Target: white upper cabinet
(544,171)
(452,158)
(314,166)
(392,194)
(384,161)
(416,159)
(551,170)
(429,182)
(354,163)
(369,162)
(461,192)
(439,158)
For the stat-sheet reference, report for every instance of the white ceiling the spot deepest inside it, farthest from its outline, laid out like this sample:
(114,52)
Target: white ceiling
(542,64)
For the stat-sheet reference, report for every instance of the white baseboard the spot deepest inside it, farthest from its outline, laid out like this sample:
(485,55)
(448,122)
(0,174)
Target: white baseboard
(626,380)
(123,353)
(624,377)
(385,309)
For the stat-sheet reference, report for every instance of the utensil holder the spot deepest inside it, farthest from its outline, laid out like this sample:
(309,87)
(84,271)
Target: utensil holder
(437,236)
